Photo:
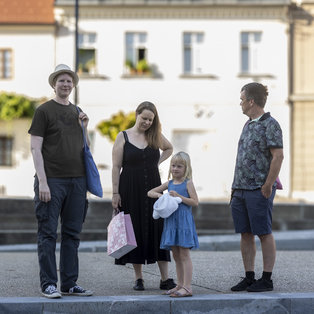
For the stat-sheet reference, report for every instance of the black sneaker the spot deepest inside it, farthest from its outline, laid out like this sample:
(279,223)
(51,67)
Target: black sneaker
(139,285)
(51,292)
(167,284)
(261,285)
(243,284)
(78,291)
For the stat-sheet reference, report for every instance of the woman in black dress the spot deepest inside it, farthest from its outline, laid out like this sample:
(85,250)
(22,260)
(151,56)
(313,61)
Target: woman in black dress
(135,161)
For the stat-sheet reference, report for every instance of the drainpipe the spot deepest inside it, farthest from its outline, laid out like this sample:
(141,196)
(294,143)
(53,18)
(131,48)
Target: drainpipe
(291,92)
(76,47)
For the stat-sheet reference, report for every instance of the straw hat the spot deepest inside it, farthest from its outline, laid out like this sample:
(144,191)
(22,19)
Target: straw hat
(63,68)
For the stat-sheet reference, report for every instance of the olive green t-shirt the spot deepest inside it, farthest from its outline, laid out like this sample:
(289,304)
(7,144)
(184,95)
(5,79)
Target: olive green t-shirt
(62,147)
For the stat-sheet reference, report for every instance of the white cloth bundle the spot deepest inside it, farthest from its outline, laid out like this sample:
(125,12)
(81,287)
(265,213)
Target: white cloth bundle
(165,206)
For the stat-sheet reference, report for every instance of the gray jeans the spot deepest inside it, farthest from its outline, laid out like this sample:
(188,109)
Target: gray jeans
(68,200)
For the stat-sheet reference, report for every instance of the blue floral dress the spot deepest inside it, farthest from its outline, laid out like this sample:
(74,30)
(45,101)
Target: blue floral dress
(179,228)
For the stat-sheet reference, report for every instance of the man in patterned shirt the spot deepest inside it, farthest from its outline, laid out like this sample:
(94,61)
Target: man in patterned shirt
(259,158)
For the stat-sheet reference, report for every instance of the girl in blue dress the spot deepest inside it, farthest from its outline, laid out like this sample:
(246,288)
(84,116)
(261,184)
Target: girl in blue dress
(179,232)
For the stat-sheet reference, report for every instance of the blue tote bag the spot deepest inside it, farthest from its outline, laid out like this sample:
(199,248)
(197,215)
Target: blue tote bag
(92,175)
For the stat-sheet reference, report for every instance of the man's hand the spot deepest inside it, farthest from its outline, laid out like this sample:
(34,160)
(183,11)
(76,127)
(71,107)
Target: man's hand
(83,117)
(44,192)
(266,190)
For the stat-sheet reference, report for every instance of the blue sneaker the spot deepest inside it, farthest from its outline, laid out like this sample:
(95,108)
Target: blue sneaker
(51,292)
(78,291)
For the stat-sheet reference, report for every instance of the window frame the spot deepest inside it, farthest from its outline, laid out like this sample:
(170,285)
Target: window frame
(3,66)
(6,156)
(85,45)
(251,63)
(196,47)
(133,49)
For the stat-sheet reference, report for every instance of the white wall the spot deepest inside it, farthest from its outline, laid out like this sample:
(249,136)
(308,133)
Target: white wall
(33,59)
(18,179)
(211,139)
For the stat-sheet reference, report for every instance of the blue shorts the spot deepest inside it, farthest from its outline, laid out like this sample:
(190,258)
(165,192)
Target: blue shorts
(252,212)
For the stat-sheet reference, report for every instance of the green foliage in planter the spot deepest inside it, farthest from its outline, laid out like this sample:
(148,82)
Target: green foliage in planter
(117,123)
(13,106)
(129,64)
(142,66)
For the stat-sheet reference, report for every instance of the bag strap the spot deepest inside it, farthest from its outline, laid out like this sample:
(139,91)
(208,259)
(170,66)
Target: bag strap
(85,142)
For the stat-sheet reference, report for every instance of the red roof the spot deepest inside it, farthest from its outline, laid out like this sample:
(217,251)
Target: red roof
(26,11)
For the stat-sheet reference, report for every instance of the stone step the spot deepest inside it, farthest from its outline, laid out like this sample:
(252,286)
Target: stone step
(18,223)
(25,236)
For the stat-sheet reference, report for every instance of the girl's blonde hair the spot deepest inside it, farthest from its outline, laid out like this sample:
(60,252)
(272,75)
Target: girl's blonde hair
(183,158)
(153,134)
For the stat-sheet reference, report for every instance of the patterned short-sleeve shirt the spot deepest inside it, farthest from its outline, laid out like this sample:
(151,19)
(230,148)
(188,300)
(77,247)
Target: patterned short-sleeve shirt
(254,156)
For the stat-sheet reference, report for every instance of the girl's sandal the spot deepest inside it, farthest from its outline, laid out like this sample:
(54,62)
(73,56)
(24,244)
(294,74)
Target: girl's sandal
(172,290)
(178,294)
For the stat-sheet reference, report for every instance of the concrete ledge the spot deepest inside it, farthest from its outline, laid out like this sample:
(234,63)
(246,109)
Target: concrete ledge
(228,303)
(214,274)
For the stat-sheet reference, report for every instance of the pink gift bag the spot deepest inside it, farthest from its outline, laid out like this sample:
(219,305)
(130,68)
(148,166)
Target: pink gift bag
(121,239)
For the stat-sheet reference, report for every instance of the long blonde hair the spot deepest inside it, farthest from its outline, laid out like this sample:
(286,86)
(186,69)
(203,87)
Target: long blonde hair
(184,158)
(153,134)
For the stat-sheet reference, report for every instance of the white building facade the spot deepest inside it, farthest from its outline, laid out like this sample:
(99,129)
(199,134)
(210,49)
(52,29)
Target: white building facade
(27,55)
(200,54)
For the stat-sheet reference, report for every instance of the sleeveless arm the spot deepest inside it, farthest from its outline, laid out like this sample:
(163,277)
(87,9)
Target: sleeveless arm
(157,191)
(167,150)
(117,158)
(190,201)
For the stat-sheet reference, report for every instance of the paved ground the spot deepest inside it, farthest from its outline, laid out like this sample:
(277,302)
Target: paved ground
(214,273)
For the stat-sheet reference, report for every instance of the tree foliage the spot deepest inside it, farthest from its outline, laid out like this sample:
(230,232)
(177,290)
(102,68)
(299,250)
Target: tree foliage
(13,106)
(117,123)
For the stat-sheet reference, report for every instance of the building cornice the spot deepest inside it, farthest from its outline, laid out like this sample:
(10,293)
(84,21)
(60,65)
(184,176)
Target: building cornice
(302,97)
(195,12)
(305,2)
(167,3)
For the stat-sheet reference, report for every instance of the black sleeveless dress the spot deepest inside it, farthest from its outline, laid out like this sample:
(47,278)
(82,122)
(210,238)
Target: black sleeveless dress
(140,174)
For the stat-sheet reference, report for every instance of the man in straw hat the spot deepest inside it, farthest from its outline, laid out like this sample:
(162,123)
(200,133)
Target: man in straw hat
(60,185)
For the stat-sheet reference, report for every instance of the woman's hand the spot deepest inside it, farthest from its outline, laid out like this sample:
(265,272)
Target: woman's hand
(115,212)
(116,201)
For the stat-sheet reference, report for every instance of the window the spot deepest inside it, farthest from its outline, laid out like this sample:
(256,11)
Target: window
(136,52)
(251,52)
(6,63)
(192,53)
(87,53)
(6,145)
